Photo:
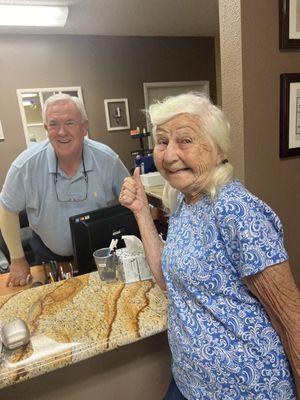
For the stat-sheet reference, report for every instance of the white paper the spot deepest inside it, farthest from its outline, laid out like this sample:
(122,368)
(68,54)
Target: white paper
(144,270)
(132,264)
(131,273)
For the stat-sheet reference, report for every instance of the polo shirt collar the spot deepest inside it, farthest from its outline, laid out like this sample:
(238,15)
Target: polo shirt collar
(51,158)
(88,160)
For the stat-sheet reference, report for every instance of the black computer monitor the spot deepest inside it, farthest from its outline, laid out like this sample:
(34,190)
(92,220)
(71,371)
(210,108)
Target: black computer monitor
(95,229)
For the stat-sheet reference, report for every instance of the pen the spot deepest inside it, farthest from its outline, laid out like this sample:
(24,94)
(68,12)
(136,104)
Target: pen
(71,267)
(51,277)
(53,269)
(62,275)
(113,244)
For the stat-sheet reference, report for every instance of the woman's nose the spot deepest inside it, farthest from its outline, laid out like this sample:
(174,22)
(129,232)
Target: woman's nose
(171,153)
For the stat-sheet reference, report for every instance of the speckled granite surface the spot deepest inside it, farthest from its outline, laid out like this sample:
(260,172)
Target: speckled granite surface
(76,319)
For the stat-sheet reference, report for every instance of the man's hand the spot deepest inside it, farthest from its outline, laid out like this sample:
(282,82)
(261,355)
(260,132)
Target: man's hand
(19,273)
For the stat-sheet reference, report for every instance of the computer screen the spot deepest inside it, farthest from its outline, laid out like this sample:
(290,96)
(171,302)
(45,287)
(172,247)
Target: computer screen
(95,229)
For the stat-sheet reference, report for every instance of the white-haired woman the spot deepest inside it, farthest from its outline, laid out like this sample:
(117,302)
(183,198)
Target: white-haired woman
(234,308)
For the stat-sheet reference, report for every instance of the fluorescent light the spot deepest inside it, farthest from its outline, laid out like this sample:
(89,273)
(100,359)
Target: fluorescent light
(13,15)
(25,95)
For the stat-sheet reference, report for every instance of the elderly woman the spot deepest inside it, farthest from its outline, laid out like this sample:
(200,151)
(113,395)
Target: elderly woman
(234,308)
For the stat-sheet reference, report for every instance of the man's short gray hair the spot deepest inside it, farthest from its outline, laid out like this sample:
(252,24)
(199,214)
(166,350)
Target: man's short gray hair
(64,96)
(212,122)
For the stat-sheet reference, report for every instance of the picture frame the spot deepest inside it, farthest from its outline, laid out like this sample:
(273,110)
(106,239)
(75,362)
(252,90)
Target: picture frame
(289,115)
(157,91)
(1,132)
(289,24)
(117,114)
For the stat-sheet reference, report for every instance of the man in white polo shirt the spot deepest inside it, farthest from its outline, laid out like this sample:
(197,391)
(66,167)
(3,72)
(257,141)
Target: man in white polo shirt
(66,174)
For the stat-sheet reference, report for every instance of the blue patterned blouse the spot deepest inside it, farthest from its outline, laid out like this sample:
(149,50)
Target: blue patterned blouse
(222,341)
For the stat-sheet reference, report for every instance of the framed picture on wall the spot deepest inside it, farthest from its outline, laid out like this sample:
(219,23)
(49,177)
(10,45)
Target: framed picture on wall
(1,132)
(289,24)
(117,114)
(289,115)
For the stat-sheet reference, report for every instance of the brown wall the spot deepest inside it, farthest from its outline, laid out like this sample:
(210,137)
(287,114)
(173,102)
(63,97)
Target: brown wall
(276,180)
(105,68)
(258,63)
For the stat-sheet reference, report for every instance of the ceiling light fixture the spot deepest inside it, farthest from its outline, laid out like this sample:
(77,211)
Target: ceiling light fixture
(13,15)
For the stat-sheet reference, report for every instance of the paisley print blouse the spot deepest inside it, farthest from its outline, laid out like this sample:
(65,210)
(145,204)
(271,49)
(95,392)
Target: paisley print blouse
(222,341)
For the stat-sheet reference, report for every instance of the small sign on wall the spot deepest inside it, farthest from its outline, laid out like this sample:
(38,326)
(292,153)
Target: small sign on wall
(117,114)
(1,132)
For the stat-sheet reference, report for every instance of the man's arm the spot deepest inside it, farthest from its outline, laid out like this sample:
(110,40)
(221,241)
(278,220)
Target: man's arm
(10,228)
(276,289)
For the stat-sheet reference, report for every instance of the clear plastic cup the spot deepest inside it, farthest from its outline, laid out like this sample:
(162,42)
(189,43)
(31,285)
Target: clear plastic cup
(105,262)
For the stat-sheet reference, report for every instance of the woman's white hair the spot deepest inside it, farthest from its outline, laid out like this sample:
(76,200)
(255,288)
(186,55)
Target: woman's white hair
(64,96)
(212,122)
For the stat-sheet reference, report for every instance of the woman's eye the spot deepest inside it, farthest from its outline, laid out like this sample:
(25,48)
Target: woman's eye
(186,141)
(161,142)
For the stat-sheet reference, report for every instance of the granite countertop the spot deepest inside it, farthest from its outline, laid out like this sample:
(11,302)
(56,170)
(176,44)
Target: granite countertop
(78,318)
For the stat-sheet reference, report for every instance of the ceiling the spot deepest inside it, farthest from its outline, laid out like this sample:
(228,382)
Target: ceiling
(130,17)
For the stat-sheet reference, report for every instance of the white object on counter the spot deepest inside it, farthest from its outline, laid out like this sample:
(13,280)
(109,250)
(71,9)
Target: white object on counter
(129,269)
(132,264)
(133,244)
(152,179)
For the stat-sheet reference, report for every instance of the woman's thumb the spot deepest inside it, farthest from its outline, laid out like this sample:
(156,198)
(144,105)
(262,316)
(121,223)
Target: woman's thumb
(137,176)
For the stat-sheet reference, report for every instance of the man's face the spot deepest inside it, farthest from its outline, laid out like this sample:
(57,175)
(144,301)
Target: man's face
(65,129)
